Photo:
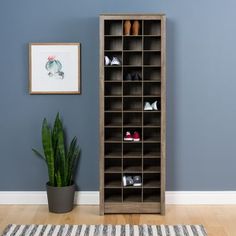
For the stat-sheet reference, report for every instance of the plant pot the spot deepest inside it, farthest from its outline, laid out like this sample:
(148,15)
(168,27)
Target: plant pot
(60,199)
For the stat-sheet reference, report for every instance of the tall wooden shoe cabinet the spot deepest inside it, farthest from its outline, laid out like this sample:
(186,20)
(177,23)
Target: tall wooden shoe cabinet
(122,101)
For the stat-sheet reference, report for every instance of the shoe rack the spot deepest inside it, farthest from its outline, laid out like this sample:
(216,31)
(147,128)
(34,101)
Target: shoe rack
(122,109)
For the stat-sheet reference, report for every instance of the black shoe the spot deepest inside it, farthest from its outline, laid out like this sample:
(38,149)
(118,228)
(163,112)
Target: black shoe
(128,77)
(136,76)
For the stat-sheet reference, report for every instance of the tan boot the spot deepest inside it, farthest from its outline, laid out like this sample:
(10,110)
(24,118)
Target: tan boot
(135,28)
(127,27)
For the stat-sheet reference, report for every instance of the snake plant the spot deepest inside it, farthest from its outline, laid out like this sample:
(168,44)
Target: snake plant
(61,162)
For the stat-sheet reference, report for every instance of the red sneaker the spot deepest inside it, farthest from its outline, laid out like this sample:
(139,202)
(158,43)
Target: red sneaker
(128,136)
(136,136)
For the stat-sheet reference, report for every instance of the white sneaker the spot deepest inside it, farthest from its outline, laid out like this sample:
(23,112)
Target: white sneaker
(115,61)
(128,136)
(107,61)
(154,106)
(147,107)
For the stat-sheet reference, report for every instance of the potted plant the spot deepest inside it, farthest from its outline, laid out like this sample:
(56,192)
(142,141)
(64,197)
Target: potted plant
(61,163)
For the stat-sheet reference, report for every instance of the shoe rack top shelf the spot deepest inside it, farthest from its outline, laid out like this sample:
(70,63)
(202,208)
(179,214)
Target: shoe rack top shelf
(125,89)
(147,27)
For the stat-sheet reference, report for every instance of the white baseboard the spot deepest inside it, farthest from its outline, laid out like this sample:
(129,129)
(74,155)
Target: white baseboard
(92,197)
(40,197)
(201,197)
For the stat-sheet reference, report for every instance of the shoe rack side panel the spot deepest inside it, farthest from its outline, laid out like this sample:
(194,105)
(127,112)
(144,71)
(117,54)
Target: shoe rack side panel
(163,113)
(101,115)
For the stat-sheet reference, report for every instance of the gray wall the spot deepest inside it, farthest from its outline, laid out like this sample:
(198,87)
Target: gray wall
(201,89)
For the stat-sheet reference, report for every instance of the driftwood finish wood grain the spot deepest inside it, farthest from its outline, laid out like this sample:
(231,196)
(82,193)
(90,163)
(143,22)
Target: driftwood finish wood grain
(122,104)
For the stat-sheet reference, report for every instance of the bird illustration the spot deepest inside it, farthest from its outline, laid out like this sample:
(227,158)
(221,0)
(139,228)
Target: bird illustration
(54,68)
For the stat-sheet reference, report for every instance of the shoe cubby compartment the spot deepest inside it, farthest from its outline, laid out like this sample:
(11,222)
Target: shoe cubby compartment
(152,134)
(132,150)
(132,130)
(152,43)
(132,119)
(151,99)
(132,174)
(132,166)
(152,119)
(152,27)
(151,195)
(113,27)
(113,104)
(113,195)
(113,119)
(113,74)
(113,180)
(131,34)
(113,134)
(132,58)
(152,89)
(113,43)
(152,74)
(151,180)
(151,150)
(133,43)
(113,165)
(131,70)
(114,54)
(113,89)
(113,150)
(151,165)
(131,194)
(129,89)
(152,58)
(132,104)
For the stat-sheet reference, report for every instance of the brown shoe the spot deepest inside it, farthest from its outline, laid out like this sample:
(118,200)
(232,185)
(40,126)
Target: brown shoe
(135,28)
(127,27)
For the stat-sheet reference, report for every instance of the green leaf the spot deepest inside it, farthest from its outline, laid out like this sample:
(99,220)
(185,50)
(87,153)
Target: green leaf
(58,179)
(69,158)
(55,133)
(38,154)
(74,159)
(61,150)
(48,150)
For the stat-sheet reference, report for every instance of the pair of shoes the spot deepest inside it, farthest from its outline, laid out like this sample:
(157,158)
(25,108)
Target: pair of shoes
(113,62)
(151,107)
(134,28)
(129,137)
(132,181)
(133,76)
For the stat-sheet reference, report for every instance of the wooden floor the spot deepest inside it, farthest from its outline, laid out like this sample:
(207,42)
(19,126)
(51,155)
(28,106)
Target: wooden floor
(218,220)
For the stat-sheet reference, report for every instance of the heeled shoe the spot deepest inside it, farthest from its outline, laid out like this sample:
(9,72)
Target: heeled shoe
(127,27)
(135,27)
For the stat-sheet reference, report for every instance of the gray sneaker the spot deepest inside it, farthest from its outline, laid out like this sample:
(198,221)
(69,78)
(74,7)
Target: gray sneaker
(127,181)
(137,181)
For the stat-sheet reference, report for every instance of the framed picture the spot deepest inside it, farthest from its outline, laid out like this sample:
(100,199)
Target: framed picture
(54,68)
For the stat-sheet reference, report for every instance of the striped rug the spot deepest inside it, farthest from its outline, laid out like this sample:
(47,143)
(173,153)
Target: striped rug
(104,230)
